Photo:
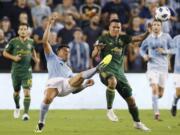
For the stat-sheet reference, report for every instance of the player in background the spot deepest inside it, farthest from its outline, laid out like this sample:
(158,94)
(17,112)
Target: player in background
(61,80)
(112,76)
(176,42)
(21,51)
(155,49)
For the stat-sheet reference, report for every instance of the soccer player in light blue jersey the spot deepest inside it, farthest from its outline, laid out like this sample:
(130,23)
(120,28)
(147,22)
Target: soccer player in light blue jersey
(61,80)
(176,42)
(155,49)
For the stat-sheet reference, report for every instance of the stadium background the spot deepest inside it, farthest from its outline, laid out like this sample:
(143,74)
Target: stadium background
(134,15)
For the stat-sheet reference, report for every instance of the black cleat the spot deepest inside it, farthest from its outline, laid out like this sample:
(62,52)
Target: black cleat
(39,128)
(173,111)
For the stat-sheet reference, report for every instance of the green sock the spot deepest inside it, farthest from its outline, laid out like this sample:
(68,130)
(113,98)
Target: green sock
(110,94)
(16,100)
(134,113)
(27,101)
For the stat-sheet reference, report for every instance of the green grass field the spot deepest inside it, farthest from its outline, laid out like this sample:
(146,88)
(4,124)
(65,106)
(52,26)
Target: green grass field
(89,122)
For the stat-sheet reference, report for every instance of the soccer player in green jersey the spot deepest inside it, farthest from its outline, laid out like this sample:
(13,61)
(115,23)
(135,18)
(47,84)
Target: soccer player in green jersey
(113,77)
(21,50)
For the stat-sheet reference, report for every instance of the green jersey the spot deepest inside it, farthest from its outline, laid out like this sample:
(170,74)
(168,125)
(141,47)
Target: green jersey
(115,46)
(24,50)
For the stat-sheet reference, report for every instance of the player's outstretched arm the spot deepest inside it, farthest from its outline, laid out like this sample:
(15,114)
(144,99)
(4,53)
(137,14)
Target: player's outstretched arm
(46,44)
(141,37)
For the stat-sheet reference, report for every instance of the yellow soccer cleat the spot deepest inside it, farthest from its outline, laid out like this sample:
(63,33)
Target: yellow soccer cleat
(107,59)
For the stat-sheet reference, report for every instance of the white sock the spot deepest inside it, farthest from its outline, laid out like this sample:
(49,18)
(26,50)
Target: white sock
(155,104)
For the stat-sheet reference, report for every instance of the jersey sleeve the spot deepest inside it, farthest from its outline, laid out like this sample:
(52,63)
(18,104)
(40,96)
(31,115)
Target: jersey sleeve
(143,48)
(9,46)
(50,55)
(170,45)
(100,40)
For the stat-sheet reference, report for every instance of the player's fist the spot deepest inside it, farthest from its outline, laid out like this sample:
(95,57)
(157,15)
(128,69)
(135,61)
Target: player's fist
(17,58)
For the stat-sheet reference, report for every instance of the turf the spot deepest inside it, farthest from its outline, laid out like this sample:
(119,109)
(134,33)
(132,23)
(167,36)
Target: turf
(89,122)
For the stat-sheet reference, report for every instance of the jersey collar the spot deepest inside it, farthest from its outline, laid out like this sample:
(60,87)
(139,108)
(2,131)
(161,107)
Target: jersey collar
(153,35)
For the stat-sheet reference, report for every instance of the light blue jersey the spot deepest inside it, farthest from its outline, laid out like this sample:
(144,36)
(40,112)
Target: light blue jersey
(158,61)
(57,67)
(176,42)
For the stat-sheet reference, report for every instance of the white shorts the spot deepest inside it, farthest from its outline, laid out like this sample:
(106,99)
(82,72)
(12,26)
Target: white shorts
(61,84)
(177,80)
(156,77)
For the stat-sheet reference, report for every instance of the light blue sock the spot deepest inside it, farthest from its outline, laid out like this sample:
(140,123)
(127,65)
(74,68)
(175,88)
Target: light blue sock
(155,104)
(89,73)
(43,112)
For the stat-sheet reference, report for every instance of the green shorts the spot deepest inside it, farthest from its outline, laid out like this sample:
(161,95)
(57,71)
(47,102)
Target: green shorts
(122,87)
(21,80)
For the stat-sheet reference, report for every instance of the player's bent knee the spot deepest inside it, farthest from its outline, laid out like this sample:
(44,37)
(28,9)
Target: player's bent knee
(112,82)
(48,100)
(16,93)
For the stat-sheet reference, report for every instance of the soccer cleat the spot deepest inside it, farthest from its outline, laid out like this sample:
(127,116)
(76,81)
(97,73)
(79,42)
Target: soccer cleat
(112,116)
(39,128)
(25,117)
(141,126)
(16,113)
(107,59)
(173,110)
(157,117)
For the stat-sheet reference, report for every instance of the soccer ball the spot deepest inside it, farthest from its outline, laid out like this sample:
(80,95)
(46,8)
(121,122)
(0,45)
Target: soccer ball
(162,13)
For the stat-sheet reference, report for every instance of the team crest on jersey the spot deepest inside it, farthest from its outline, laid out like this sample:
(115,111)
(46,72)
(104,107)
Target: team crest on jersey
(29,46)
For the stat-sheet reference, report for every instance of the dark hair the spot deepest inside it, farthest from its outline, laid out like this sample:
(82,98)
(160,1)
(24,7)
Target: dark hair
(114,20)
(24,24)
(62,46)
(157,20)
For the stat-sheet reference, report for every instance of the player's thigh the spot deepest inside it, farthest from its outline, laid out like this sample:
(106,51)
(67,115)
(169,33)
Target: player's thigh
(27,83)
(162,79)
(16,81)
(124,89)
(108,78)
(153,77)
(76,80)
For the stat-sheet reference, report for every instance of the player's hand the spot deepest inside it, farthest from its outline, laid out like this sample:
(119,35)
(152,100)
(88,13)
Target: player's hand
(149,27)
(17,58)
(160,50)
(100,46)
(146,58)
(37,60)
(89,82)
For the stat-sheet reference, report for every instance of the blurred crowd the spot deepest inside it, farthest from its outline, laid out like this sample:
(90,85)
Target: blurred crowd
(79,24)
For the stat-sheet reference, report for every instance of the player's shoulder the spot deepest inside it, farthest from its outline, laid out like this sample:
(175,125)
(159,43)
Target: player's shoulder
(30,40)
(166,35)
(15,39)
(177,37)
